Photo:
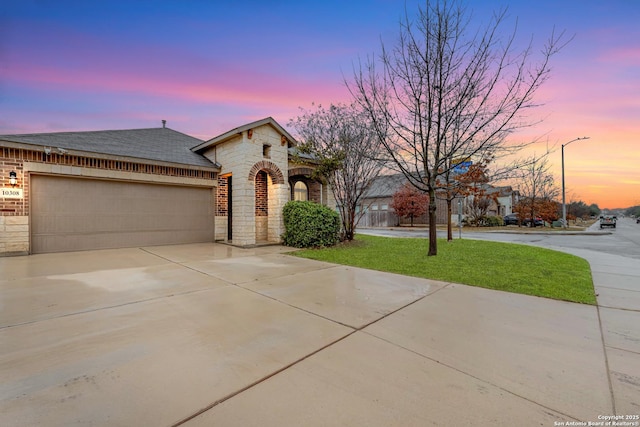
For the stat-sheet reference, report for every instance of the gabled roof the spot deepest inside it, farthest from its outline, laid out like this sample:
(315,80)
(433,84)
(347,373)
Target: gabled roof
(237,131)
(385,186)
(500,191)
(159,144)
(295,153)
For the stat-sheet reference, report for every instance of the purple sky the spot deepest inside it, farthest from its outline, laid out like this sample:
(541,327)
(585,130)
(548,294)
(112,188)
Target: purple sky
(209,66)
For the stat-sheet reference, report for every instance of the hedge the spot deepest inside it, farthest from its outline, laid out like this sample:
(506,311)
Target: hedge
(309,224)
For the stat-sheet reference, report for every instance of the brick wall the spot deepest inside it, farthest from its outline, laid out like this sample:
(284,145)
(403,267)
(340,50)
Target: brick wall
(222,196)
(9,161)
(262,195)
(14,213)
(13,159)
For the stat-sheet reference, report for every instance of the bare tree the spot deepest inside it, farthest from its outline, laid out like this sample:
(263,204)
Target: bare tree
(345,151)
(537,191)
(445,91)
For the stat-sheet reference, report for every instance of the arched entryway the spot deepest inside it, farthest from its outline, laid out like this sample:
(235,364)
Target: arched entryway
(270,195)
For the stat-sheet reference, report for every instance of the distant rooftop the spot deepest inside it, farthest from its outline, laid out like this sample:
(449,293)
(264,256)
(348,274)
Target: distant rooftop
(160,144)
(385,185)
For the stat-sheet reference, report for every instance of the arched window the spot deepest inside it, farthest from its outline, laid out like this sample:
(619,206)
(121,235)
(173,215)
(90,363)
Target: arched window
(300,191)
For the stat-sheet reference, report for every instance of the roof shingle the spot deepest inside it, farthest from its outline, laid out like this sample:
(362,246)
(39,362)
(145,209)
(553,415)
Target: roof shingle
(160,144)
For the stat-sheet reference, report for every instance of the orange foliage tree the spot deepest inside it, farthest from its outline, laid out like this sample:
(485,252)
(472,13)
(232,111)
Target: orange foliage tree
(408,202)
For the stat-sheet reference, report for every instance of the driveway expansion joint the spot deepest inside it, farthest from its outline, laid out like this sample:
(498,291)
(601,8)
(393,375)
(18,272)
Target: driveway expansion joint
(296,362)
(259,381)
(626,350)
(606,362)
(474,377)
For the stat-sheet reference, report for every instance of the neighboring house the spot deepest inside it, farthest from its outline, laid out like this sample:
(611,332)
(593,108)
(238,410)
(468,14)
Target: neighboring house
(376,203)
(108,189)
(502,200)
(505,199)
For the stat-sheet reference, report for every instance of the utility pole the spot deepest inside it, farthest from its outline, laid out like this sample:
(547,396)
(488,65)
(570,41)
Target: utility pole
(564,201)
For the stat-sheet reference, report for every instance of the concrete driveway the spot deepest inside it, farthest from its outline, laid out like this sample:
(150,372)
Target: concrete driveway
(208,334)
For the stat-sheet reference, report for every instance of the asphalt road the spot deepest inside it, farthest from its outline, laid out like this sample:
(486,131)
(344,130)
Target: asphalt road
(624,240)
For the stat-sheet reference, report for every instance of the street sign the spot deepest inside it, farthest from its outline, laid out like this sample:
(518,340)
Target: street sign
(462,167)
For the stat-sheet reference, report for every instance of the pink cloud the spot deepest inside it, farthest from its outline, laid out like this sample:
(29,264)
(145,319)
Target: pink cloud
(225,89)
(622,56)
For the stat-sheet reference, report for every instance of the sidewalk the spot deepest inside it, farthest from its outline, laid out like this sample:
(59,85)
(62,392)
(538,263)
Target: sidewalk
(617,284)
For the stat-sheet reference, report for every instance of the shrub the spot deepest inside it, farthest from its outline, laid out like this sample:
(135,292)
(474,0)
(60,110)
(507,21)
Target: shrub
(309,224)
(494,221)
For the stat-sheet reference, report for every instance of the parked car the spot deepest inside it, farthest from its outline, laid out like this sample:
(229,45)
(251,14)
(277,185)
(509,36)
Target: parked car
(607,221)
(537,222)
(510,219)
(514,219)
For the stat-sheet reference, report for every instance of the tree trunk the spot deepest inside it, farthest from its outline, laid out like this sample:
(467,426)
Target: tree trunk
(349,231)
(348,220)
(411,216)
(433,236)
(449,225)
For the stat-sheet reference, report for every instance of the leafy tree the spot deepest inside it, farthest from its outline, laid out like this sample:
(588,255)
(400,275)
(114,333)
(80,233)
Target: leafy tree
(345,150)
(447,91)
(547,209)
(594,210)
(408,202)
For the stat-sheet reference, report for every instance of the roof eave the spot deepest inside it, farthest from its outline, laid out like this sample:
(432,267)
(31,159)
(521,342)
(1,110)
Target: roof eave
(215,167)
(239,130)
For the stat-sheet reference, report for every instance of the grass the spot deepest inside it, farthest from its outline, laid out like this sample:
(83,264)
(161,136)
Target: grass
(502,266)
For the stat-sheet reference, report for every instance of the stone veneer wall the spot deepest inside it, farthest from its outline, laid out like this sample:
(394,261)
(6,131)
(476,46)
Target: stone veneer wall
(14,235)
(244,157)
(278,197)
(14,213)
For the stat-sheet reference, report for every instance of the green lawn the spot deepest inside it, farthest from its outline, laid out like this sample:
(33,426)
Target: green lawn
(503,266)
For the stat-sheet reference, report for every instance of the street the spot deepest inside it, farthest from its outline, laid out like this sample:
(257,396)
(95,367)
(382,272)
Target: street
(624,240)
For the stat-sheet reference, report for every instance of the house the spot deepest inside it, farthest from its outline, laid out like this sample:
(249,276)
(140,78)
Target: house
(376,204)
(72,191)
(377,211)
(501,200)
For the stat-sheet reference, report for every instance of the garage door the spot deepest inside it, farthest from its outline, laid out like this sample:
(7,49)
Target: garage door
(71,214)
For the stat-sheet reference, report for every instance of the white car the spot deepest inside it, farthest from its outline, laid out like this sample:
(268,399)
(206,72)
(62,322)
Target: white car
(607,221)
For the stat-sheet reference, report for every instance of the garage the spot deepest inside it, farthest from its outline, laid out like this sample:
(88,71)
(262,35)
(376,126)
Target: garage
(72,214)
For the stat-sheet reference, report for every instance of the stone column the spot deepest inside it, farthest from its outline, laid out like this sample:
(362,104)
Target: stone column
(278,197)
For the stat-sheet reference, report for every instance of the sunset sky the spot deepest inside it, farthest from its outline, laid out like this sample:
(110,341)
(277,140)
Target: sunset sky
(207,66)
